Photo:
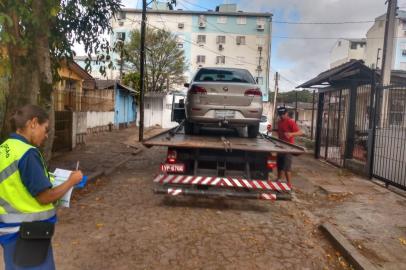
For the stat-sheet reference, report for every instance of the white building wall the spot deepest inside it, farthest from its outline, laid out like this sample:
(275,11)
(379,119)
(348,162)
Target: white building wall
(99,119)
(375,42)
(342,52)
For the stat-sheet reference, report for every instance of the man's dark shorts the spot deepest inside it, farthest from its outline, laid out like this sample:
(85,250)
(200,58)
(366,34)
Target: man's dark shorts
(284,162)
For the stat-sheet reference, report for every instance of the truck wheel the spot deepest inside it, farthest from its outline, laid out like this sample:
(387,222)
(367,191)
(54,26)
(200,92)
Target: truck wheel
(253,131)
(188,127)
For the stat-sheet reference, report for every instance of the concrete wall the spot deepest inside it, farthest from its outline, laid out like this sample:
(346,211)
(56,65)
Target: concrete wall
(79,128)
(99,119)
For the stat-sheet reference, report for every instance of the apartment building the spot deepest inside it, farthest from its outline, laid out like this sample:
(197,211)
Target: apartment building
(224,36)
(375,37)
(345,50)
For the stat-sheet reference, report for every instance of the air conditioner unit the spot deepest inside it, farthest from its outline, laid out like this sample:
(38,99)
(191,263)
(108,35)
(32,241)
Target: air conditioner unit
(181,25)
(221,47)
(202,24)
(260,27)
(120,23)
(260,48)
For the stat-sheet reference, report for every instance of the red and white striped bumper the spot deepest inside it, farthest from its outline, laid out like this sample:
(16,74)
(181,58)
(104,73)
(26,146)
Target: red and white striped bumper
(222,182)
(230,187)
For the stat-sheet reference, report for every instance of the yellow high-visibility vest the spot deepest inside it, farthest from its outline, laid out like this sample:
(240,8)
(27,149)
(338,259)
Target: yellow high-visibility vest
(16,203)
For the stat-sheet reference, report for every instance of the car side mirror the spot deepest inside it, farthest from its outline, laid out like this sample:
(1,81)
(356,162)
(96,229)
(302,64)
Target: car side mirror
(186,85)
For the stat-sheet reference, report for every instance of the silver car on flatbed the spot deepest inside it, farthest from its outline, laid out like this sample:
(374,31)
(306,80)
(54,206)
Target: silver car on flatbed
(225,97)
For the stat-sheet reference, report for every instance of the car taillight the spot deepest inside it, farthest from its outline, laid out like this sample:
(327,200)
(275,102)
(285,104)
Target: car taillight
(171,158)
(197,90)
(253,92)
(271,161)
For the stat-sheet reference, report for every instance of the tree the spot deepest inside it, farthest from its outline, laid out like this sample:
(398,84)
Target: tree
(165,61)
(290,97)
(37,34)
(132,79)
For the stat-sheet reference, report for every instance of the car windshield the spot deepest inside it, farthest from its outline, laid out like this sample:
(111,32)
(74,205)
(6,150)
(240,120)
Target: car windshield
(224,75)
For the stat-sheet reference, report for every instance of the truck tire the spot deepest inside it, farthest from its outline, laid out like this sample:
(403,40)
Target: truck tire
(253,131)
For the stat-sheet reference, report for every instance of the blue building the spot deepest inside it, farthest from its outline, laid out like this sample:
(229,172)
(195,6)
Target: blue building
(125,106)
(224,36)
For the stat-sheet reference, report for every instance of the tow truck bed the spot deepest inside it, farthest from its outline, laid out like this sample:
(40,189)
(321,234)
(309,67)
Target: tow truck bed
(220,166)
(262,143)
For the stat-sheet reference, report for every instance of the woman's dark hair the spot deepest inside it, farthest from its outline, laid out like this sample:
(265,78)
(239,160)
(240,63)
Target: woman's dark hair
(26,113)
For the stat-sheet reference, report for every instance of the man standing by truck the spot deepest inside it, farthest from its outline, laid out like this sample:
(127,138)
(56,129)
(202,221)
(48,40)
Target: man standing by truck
(287,131)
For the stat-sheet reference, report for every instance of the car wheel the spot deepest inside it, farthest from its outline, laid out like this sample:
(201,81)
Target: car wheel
(253,131)
(188,127)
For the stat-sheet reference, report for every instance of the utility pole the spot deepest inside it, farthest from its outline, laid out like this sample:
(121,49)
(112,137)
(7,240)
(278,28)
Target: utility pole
(387,53)
(271,114)
(142,66)
(388,41)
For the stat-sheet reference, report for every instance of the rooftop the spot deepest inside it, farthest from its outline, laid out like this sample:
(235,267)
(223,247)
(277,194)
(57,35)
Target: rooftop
(208,12)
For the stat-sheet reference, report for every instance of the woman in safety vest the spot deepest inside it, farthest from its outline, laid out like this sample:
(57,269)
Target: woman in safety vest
(27,213)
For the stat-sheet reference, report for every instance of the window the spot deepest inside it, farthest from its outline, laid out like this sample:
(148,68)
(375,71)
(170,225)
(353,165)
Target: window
(403,25)
(353,46)
(260,80)
(222,19)
(201,59)
(224,75)
(181,25)
(240,40)
(241,20)
(339,44)
(403,52)
(180,45)
(121,15)
(201,38)
(221,39)
(120,36)
(260,40)
(221,59)
(260,21)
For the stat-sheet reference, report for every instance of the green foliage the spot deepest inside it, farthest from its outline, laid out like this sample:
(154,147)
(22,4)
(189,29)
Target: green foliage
(290,97)
(133,80)
(164,59)
(68,22)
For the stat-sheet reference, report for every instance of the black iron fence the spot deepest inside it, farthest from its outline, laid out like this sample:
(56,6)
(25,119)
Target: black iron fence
(389,136)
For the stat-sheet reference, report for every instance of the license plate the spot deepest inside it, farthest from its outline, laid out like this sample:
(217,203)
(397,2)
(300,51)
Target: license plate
(172,168)
(225,114)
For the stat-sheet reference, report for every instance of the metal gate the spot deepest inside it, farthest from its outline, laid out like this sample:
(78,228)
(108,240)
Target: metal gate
(63,131)
(333,129)
(389,158)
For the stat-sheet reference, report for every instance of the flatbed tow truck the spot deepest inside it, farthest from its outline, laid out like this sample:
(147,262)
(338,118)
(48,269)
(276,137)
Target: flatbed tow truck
(219,164)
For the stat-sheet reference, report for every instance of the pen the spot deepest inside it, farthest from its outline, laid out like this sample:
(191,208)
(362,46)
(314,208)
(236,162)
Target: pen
(77,165)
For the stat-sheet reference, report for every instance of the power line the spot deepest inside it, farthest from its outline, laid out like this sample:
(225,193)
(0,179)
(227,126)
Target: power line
(299,22)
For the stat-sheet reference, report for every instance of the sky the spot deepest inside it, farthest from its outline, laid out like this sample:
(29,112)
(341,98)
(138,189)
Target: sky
(301,51)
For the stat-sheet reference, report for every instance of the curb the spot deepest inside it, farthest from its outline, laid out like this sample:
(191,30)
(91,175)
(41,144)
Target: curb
(354,257)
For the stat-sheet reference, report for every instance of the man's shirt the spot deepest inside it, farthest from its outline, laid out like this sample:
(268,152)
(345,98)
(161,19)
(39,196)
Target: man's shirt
(287,125)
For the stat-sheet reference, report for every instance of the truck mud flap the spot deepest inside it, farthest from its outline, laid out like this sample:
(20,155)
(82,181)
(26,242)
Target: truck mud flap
(175,191)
